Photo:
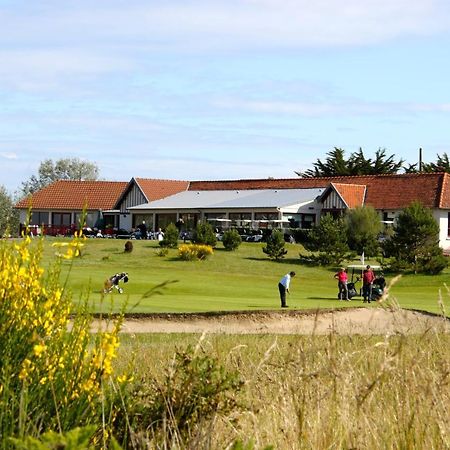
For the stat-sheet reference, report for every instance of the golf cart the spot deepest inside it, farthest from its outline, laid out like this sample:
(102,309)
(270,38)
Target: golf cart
(355,274)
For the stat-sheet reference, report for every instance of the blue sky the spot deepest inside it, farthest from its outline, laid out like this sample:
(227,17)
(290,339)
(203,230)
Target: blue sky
(220,89)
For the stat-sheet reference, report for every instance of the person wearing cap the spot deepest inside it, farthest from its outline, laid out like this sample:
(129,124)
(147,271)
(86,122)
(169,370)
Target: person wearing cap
(283,287)
(368,278)
(342,278)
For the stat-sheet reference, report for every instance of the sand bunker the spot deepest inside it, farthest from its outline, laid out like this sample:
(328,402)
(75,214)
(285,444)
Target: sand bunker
(342,321)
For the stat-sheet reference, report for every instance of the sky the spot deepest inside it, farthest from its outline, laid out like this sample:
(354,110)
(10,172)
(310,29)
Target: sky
(220,89)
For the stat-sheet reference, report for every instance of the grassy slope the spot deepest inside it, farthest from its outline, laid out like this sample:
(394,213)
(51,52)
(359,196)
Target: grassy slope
(244,279)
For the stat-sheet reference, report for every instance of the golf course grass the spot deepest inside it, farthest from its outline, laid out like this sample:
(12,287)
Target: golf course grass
(244,279)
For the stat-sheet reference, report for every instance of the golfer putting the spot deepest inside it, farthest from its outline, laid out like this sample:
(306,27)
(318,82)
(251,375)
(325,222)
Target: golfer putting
(283,287)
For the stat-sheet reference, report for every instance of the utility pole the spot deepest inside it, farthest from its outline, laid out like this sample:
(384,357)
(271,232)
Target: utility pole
(420,159)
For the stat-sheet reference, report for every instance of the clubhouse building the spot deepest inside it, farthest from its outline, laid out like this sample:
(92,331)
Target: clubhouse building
(252,204)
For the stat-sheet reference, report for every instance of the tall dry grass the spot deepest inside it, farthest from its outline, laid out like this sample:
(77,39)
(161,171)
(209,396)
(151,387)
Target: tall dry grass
(317,392)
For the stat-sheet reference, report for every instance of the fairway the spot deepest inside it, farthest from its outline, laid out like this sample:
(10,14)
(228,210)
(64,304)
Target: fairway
(241,280)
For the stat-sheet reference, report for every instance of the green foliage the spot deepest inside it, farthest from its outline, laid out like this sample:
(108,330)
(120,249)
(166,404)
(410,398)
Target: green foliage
(204,234)
(442,164)
(164,251)
(75,439)
(363,228)
(249,445)
(9,216)
(62,169)
(231,239)
(356,164)
(329,239)
(170,237)
(274,248)
(415,243)
(195,389)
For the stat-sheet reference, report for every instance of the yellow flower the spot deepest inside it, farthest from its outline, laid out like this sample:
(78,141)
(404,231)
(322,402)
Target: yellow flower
(38,349)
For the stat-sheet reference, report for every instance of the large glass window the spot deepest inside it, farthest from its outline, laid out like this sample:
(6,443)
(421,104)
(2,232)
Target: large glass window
(265,219)
(139,218)
(241,217)
(61,219)
(308,221)
(90,219)
(162,220)
(190,220)
(39,218)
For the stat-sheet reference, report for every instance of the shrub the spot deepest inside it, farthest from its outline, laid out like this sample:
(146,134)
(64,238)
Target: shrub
(52,376)
(128,247)
(170,237)
(204,234)
(164,251)
(194,391)
(275,245)
(191,252)
(231,239)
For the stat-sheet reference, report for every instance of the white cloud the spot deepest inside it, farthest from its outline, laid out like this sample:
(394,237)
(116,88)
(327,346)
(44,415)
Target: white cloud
(314,109)
(228,24)
(8,155)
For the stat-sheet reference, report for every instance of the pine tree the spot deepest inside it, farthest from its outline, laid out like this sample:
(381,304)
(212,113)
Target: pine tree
(415,243)
(274,248)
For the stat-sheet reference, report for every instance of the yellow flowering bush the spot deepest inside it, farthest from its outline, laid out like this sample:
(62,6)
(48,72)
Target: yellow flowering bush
(52,369)
(191,252)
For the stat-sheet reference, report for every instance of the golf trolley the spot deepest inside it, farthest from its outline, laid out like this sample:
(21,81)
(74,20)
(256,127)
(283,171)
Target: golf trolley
(355,273)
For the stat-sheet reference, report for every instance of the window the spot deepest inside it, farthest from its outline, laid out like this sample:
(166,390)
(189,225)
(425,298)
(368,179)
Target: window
(190,220)
(162,220)
(61,219)
(264,219)
(448,224)
(139,218)
(39,218)
(240,217)
(308,221)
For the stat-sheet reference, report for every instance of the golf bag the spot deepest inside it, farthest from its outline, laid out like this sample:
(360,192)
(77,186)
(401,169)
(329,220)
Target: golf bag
(113,282)
(378,287)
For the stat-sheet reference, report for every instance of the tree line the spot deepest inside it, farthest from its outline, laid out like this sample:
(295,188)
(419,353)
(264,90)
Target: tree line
(336,164)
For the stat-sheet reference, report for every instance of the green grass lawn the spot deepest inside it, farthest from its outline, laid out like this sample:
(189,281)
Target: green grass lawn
(241,280)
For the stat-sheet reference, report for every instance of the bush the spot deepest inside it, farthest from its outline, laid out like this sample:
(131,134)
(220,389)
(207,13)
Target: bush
(170,237)
(275,245)
(52,376)
(204,234)
(231,239)
(128,247)
(195,390)
(164,251)
(191,252)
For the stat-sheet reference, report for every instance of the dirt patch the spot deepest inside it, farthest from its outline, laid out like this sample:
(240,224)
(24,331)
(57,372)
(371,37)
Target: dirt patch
(342,321)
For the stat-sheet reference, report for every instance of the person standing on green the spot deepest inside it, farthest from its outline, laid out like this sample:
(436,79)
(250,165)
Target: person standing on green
(283,287)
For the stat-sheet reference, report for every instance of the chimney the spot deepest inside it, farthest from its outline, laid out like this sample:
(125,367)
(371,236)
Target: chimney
(420,159)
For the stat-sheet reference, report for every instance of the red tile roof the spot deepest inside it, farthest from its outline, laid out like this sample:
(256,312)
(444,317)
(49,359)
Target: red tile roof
(73,195)
(383,191)
(155,189)
(352,194)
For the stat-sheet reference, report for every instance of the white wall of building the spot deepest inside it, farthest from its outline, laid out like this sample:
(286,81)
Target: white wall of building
(441,217)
